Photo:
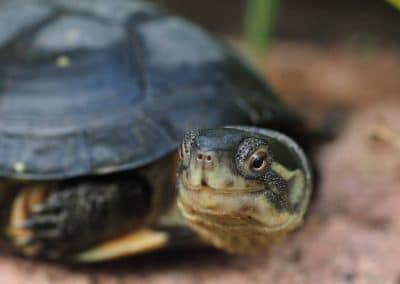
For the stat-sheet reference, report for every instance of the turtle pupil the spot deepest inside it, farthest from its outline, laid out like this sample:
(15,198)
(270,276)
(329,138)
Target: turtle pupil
(258,162)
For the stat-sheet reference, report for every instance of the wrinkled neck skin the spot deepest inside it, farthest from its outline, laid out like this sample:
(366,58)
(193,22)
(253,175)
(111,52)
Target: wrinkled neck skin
(238,214)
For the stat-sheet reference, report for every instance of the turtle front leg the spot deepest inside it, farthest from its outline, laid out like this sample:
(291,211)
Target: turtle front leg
(84,213)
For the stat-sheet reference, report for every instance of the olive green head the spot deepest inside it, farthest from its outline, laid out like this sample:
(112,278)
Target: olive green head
(242,188)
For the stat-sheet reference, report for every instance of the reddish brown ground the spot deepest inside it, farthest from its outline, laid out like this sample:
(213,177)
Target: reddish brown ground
(353,230)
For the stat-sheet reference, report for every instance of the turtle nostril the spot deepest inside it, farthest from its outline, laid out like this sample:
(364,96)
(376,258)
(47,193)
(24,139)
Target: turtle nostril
(204,158)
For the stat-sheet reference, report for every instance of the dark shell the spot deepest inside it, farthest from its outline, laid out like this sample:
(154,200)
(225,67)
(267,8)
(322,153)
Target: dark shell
(101,86)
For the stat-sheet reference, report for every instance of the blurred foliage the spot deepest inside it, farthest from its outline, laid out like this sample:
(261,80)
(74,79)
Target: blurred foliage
(395,3)
(259,23)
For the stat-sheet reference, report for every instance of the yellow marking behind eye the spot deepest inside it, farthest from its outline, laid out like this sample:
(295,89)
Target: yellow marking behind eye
(296,180)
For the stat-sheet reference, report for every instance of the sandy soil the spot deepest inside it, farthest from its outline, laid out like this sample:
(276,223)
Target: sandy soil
(352,232)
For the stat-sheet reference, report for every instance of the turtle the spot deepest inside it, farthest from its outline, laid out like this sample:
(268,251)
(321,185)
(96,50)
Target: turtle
(125,129)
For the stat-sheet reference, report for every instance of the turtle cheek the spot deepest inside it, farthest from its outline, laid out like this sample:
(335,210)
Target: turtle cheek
(268,215)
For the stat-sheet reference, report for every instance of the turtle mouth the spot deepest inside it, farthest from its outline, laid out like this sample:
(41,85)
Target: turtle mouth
(236,217)
(232,190)
(226,208)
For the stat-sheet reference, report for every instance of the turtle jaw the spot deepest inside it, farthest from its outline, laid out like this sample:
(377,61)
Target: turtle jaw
(238,222)
(233,206)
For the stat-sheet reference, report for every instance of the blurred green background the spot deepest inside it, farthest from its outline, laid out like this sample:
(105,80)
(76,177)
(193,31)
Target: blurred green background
(326,22)
(315,54)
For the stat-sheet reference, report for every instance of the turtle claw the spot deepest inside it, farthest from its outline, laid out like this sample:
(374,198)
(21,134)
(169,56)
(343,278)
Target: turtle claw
(41,238)
(37,222)
(48,222)
(48,207)
(75,216)
(37,208)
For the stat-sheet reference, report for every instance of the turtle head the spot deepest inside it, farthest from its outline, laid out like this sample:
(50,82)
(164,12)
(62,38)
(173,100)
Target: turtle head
(242,188)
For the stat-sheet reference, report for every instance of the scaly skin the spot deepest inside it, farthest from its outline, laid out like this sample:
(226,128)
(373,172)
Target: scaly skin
(233,206)
(61,218)
(72,215)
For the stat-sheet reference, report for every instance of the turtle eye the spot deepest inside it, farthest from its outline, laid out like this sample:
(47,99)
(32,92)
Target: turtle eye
(259,161)
(253,157)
